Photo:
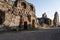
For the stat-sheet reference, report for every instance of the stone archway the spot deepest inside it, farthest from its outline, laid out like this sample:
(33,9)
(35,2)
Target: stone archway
(25,25)
(23,4)
(31,7)
(33,23)
(2,17)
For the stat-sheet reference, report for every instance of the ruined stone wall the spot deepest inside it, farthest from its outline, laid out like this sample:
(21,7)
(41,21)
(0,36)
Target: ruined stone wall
(6,7)
(18,13)
(28,12)
(56,19)
(44,21)
(22,14)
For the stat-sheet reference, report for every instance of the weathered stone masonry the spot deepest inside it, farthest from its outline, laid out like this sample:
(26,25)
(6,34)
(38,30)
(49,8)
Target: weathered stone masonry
(19,14)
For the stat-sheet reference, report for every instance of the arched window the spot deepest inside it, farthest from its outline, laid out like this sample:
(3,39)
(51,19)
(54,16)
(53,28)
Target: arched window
(29,17)
(15,3)
(33,23)
(31,7)
(23,5)
(21,19)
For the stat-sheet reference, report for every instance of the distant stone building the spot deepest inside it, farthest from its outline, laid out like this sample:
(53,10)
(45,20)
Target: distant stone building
(44,21)
(17,14)
(56,19)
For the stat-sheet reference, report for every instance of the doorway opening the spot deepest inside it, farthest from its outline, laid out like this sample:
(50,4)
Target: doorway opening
(25,25)
(33,23)
(2,17)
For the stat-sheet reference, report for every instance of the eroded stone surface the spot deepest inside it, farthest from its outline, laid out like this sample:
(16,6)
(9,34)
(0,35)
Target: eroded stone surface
(56,19)
(44,21)
(18,13)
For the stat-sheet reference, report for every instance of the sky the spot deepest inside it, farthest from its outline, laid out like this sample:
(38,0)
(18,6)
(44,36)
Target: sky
(48,6)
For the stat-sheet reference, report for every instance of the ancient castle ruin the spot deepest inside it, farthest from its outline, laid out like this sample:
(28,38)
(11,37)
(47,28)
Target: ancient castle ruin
(21,14)
(17,14)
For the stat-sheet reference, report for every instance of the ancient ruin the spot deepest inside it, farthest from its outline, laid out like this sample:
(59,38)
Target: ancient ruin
(18,14)
(44,21)
(56,19)
(21,14)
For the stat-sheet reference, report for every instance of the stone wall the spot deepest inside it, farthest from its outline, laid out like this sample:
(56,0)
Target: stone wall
(19,14)
(22,14)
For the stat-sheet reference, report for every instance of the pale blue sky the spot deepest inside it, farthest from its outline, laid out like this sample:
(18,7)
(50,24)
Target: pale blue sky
(48,6)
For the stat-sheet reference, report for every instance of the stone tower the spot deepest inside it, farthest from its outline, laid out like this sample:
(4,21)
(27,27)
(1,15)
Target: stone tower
(56,19)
